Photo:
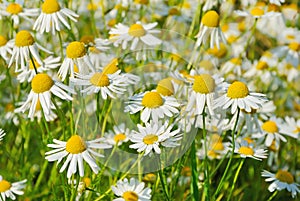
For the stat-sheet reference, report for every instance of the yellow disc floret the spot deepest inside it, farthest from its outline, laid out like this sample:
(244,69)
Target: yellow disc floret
(119,137)
(204,84)
(34,64)
(261,65)
(152,100)
(284,176)
(50,6)
(41,83)
(257,11)
(236,61)
(3,41)
(165,87)
(24,38)
(100,80)
(294,46)
(211,19)
(237,90)
(137,30)
(75,145)
(150,139)
(4,186)
(112,67)
(14,8)
(75,50)
(130,196)
(246,151)
(270,126)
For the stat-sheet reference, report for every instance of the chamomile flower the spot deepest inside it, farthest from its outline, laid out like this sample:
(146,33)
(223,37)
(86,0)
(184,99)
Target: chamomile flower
(48,63)
(294,124)
(15,11)
(25,46)
(10,190)
(290,52)
(140,35)
(281,180)
(248,150)
(209,27)
(132,190)
(239,97)
(2,134)
(152,105)
(76,150)
(42,87)
(53,17)
(100,82)
(235,65)
(277,2)
(153,136)
(118,135)
(202,92)
(256,13)
(6,47)
(76,56)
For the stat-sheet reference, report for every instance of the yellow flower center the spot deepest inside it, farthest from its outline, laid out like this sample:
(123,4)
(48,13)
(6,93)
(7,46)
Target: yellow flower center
(143,2)
(261,65)
(237,90)
(87,39)
(290,37)
(236,61)
(100,80)
(249,140)
(212,154)
(150,139)
(246,151)
(152,100)
(50,6)
(75,145)
(174,11)
(150,177)
(136,30)
(33,64)
(257,12)
(14,8)
(87,181)
(294,46)
(75,50)
(9,107)
(225,27)
(204,84)
(24,38)
(165,87)
(211,19)
(284,176)
(270,127)
(112,22)
(3,41)
(218,52)
(130,196)
(242,26)
(112,67)
(297,130)
(218,146)
(4,186)
(119,137)
(273,7)
(92,6)
(232,38)
(41,83)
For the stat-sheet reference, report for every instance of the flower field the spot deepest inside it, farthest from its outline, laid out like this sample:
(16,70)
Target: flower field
(150,100)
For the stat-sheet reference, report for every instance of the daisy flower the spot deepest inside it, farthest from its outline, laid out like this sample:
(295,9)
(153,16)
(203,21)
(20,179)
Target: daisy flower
(274,129)
(53,17)
(10,190)
(291,53)
(202,93)
(76,57)
(6,47)
(2,134)
(209,27)
(154,135)
(256,13)
(138,33)
(132,190)
(15,11)
(277,2)
(238,96)
(281,180)
(293,124)
(25,46)
(118,135)
(99,82)
(248,150)
(42,87)
(76,150)
(48,63)
(152,104)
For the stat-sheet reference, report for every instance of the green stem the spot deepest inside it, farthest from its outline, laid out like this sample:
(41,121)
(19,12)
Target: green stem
(235,178)
(231,156)
(272,196)
(194,183)
(206,166)
(61,45)
(41,175)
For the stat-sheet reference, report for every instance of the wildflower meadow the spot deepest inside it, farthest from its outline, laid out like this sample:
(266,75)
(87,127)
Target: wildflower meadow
(137,100)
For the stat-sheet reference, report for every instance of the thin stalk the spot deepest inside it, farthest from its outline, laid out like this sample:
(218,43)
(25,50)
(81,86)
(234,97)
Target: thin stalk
(272,196)
(61,45)
(33,63)
(194,183)
(41,175)
(231,156)
(235,178)
(206,166)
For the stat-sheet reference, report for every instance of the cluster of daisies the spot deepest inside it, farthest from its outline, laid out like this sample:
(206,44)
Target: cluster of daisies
(224,83)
